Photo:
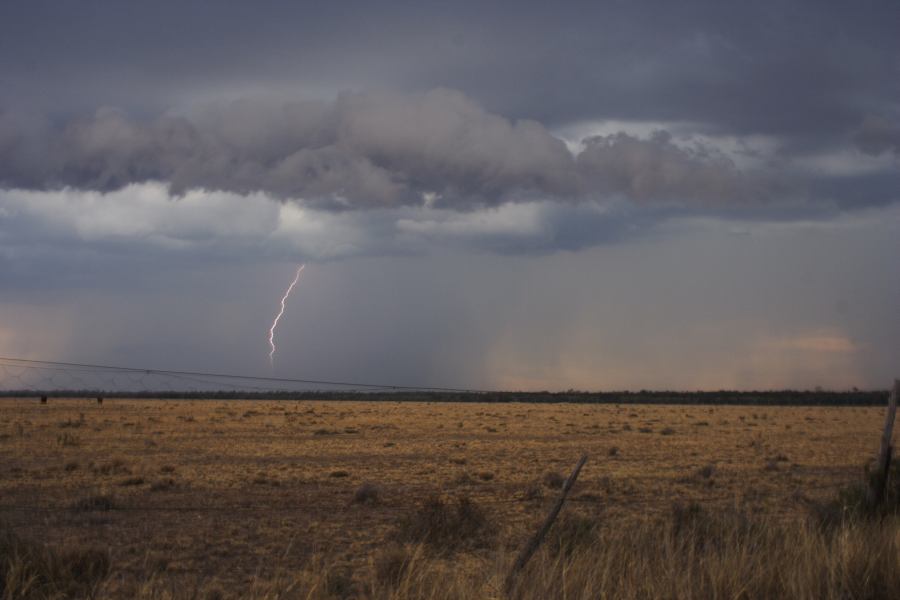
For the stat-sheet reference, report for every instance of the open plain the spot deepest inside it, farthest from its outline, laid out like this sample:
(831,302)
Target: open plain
(236,496)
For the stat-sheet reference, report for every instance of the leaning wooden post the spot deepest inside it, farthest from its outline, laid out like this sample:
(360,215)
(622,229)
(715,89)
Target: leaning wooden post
(535,541)
(878,480)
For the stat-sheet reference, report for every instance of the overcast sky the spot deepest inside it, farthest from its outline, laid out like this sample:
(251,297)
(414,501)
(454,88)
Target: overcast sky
(521,195)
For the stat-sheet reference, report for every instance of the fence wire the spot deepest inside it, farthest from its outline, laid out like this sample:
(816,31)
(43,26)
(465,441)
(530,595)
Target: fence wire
(20,376)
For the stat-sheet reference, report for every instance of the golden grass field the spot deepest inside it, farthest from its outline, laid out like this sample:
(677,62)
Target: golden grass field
(234,498)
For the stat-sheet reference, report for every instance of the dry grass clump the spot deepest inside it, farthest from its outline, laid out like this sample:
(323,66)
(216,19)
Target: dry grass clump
(573,532)
(32,571)
(392,564)
(448,527)
(706,471)
(697,555)
(851,503)
(162,485)
(68,440)
(94,502)
(116,466)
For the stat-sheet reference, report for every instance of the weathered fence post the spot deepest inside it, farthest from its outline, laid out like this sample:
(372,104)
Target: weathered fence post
(535,541)
(879,477)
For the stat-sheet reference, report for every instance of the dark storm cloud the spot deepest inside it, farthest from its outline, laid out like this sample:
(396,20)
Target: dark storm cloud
(805,74)
(809,68)
(808,76)
(362,150)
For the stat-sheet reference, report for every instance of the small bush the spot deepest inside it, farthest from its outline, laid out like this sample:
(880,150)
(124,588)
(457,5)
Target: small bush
(706,471)
(367,493)
(553,480)
(447,528)
(162,485)
(339,474)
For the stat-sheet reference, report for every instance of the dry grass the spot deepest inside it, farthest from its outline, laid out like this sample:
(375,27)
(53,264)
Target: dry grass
(692,555)
(32,570)
(275,499)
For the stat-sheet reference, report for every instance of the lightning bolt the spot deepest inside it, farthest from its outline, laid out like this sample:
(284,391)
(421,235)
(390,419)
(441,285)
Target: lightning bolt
(278,316)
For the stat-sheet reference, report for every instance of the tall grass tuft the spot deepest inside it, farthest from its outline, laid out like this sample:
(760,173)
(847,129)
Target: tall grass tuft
(32,571)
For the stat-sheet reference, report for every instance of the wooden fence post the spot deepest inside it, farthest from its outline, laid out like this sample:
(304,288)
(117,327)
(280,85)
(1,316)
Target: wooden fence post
(879,477)
(535,541)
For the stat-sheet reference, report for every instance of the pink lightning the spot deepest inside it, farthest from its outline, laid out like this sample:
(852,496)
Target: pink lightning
(278,316)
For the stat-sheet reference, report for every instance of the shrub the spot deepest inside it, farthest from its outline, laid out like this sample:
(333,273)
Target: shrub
(447,527)
(706,471)
(367,493)
(167,483)
(553,480)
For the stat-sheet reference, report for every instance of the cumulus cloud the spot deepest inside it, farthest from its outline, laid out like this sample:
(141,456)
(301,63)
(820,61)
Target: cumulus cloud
(657,169)
(362,150)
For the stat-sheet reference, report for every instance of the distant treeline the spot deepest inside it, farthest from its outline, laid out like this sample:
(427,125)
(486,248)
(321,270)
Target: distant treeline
(722,397)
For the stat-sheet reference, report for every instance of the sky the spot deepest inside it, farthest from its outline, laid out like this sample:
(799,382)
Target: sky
(490,195)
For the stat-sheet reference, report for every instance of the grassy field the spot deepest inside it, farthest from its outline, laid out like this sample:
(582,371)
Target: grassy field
(225,499)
